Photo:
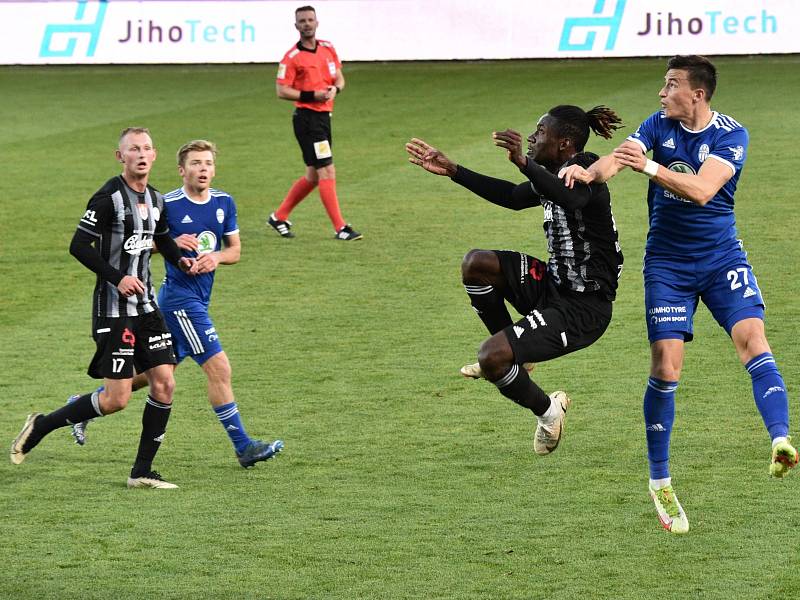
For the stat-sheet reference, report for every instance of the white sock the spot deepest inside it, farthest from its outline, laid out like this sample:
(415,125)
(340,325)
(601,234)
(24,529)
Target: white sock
(552,413)
(778,440)
(657,484)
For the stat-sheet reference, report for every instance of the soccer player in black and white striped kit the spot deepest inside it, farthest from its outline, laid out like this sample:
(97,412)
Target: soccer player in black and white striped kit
(114,239)
(566,301)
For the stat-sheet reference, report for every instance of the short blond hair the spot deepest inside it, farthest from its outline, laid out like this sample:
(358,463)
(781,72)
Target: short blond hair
(196,146)
(128,130)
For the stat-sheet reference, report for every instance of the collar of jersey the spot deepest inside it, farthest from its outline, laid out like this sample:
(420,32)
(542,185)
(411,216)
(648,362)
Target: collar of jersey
(186,195)
(714,116)
(304,49)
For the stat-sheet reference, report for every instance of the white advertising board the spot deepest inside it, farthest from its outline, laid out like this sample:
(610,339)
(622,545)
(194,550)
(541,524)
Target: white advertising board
(181,31)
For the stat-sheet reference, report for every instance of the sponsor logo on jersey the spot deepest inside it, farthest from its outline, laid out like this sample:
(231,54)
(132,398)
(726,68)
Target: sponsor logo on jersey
(206,242)
(702,154)
(136,244)
(679,167)
(187,219)
(738,153)
(220,215)
(670,143)
(331,67)
(548,211)
(748,292)
(89,217)
(519,331)
(282,70)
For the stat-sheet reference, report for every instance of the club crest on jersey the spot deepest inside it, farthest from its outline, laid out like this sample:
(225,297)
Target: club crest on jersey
(702,154)
(738,152)
(206,242)
(143,212)
(220,215)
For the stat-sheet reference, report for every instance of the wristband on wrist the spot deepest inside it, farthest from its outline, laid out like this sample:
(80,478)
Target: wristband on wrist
(307,96)
(650,168)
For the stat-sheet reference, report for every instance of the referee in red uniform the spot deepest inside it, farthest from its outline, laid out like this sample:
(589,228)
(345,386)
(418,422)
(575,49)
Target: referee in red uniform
(310,75)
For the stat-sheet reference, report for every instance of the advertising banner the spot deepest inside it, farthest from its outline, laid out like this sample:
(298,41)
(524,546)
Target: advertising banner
(180,31)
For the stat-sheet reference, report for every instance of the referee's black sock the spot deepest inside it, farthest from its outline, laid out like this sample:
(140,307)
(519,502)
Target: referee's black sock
(517,386)
(490,306)
(82,409)
(154,425)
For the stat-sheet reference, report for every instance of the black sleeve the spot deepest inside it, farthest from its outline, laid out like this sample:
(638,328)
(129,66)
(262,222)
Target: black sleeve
(551,187)
(497,191)
(81,248)
(168,248)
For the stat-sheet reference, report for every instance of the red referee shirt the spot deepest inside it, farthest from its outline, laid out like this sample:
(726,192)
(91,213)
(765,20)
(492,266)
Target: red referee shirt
(309,71)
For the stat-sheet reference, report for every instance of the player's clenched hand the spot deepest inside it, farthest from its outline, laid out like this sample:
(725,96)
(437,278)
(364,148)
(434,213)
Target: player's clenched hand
(206,263)
(187,241)
(188,265)
(574,173)
(130,285)
(429,158)
(512,141)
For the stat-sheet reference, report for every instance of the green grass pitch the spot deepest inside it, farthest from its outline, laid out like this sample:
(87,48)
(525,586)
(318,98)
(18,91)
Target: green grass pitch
(400,479)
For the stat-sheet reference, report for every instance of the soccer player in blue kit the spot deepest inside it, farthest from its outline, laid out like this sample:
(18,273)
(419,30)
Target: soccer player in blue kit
(692,253)
(202,221)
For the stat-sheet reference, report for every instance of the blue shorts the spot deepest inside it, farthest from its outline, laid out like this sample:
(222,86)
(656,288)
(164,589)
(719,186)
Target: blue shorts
(725,283)
(193,333)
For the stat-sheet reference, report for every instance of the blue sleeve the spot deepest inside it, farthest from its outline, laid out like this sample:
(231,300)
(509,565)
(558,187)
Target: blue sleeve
(731,148)
(646,134)
(231,225)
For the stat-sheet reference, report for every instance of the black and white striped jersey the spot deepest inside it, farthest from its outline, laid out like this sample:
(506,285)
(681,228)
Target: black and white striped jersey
(583,243)
(123,223)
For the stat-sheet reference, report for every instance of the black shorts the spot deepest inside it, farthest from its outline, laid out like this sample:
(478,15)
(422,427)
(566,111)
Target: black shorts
(557,321)
(128,343)
(313,132)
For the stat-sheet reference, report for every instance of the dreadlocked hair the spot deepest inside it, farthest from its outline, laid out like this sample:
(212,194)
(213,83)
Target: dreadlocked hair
(574,123)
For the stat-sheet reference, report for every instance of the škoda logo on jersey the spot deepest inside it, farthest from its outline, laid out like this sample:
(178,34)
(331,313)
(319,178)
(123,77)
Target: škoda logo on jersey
(136,244)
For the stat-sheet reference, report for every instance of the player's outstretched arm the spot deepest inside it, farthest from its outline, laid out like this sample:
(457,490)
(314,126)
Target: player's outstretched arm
(429,158)
(599,171)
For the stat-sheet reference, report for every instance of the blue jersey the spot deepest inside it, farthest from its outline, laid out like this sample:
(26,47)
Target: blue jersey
(209,221)
(679,227)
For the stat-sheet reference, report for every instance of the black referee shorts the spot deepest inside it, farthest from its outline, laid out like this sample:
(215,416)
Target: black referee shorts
(313,132)
(557,321)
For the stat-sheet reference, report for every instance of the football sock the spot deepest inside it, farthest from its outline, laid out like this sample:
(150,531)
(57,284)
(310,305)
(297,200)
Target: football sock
(489,306)
(299,190)
(154,426)
(769,392)
(517,386)
(82,409)
(327,192)
(228,415)
(659,414)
